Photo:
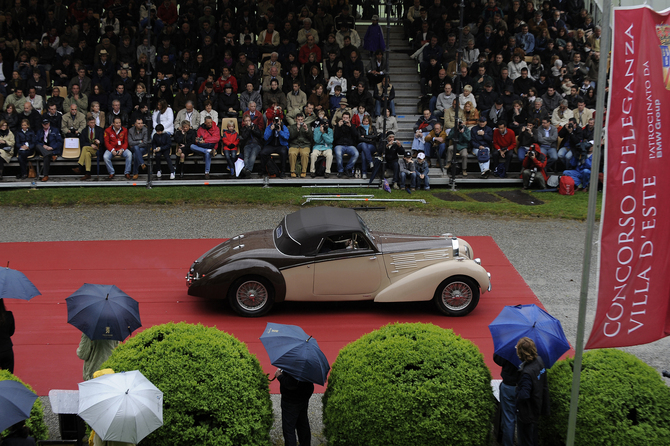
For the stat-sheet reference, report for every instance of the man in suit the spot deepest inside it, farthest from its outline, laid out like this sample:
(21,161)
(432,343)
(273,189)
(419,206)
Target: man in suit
(49,143)
(89,141)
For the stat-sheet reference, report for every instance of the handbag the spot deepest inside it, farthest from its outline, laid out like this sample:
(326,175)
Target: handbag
(483,155)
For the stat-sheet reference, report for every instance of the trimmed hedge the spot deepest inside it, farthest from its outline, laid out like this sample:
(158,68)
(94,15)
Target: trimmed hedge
(214,390)
(35,423)
(622,401)
(408,384)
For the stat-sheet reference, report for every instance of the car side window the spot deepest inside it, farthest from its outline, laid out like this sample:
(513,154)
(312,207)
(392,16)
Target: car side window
(344,242)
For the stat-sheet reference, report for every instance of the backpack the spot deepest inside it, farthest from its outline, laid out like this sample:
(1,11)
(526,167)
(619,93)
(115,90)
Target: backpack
(483,155)
(500,171)
(320,166)
(272,169)
(566,185)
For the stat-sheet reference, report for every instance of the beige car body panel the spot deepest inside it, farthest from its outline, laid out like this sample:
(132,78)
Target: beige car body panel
(420,284)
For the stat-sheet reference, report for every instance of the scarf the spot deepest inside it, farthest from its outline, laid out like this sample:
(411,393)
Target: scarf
(366,127)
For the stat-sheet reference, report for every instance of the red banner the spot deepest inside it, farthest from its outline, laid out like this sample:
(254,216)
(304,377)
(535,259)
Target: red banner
(634,283)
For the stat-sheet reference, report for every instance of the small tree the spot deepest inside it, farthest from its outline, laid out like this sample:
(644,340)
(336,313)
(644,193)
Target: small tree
(35,423)
(214,390)
(408,384)
(622,401)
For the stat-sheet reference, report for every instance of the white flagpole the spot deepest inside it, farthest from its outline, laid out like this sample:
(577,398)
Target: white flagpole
(605,45)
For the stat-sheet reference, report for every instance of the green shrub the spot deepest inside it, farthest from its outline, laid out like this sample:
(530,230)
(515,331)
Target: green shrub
(215,392)
(36,423)
(622,401)
(408,384)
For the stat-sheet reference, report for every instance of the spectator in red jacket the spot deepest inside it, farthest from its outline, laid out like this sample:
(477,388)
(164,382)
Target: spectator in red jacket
(306,49)
(504,142)
(116,143)
(224,79)
(230,140)
(255,115)
(207,141)
(533,165)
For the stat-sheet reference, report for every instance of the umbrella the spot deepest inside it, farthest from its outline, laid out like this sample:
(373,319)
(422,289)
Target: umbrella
(16,401)
(292,350)
(103,312)
(515,322)
(15,285)
(124,407)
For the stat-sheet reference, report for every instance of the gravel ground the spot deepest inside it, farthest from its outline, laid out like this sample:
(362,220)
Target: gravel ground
(547,253)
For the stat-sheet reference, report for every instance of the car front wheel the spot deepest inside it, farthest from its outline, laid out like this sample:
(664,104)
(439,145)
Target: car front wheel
(457,296)
(251,296)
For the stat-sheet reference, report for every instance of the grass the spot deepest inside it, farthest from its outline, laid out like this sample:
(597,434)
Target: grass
(555,205)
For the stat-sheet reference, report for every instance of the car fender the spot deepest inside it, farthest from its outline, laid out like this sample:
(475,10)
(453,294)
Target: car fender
(218,281)
(421,285)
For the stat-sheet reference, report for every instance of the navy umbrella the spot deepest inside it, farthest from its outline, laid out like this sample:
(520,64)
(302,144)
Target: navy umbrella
(516,322)
(15,285)
(293,351)
(103,312)
(16,401)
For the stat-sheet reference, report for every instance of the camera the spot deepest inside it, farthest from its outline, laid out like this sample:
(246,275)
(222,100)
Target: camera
(461,126)
(531,154)
(277,120)
(570,126)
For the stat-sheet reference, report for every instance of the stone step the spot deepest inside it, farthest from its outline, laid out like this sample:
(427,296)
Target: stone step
(407,96)
(405,109)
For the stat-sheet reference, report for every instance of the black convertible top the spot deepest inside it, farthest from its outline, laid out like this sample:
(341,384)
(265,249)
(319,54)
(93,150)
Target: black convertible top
(301,232)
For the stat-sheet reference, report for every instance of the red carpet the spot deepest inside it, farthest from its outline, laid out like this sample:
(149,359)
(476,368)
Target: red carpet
(152,272)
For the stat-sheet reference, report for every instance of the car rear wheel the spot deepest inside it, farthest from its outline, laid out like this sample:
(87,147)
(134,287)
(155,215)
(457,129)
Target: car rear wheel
(251,296)
(457,296)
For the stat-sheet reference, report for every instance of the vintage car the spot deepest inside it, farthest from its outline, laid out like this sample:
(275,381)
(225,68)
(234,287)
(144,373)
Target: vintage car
(329,254)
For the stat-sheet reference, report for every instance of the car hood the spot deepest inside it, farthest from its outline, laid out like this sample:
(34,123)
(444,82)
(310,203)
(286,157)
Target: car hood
(389,243)
(256,245)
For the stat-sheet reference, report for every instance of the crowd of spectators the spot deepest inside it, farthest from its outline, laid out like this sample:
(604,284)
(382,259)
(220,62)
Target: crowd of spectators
(527,77)
(276,80)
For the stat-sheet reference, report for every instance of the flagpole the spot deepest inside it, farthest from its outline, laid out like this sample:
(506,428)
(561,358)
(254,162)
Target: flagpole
(605,45)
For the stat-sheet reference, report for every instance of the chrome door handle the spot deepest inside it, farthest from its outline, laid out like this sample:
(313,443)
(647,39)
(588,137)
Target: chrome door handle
(373,258)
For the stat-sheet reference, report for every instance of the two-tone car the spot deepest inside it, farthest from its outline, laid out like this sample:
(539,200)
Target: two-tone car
(329,254)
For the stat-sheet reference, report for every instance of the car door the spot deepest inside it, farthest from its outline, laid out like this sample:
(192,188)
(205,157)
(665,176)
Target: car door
(348,274)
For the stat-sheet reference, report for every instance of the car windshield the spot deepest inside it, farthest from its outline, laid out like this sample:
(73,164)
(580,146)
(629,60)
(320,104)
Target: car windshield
(366,231)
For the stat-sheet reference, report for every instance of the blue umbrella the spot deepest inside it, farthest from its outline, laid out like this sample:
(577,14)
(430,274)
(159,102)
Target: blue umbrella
(15,285)
(103,312)
(515,322)
(16,401)
(292,350)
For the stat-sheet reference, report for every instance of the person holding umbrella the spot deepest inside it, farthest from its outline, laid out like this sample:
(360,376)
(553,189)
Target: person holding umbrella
(295,397)
(509,375)
(94,353)
(532,392)
(6,332)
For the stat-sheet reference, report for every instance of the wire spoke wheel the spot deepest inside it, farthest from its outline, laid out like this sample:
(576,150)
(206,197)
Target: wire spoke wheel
(252,295)
(457,296)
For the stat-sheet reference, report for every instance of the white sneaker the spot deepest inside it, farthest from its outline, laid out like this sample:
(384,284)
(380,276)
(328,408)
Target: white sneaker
(371,165)
(158,174)
(172,176)
(365,177)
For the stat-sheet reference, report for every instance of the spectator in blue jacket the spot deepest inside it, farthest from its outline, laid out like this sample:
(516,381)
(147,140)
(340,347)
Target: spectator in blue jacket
(49,143)
(481,138)
(25,147)
(276,141)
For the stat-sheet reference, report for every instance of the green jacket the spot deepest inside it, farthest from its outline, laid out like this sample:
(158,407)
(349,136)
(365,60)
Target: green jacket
(94,354)
(300,138)
(461,140)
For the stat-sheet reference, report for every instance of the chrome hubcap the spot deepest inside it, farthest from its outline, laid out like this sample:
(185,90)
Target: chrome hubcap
(457,295)
(252,295)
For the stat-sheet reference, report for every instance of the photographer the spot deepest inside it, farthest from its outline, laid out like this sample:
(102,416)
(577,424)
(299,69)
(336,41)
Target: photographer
(323,146)
(570,146)
(251,137)
(581,169)
(276,141)
(533,165)
(73,123)
(460,136)
(300,143)
(345,140)
(525,139)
